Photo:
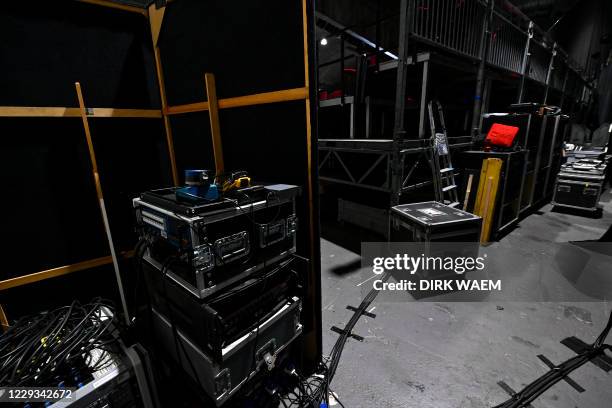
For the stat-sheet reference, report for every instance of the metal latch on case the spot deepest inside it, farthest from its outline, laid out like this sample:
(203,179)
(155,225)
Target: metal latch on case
(223,383)
(271,233)
(292,225)
(232,247)
(203,257)
(267,354)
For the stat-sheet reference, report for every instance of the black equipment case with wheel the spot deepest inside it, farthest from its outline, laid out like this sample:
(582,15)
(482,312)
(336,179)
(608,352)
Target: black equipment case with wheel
(579,185)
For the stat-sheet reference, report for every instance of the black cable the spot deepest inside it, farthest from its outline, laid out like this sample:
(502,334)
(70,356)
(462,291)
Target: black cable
(536,388)
(139,251)
(604,334)
(262,276)
(177,339)
(258,318)
(318,386)
(338,399)
(283,403)
(164,272)
(38,349)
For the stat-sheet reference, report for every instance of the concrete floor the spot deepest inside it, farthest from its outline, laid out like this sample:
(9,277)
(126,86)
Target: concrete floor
(451,355)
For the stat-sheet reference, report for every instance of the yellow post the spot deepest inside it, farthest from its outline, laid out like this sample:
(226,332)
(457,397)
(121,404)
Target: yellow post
(487,195)
(468,191)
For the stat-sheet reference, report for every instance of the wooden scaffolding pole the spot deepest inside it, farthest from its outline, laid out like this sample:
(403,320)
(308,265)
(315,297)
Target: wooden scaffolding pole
(4,325)
(284,95)
(156,18)
(66,112)
(215,126)
(312,339)
(96,176)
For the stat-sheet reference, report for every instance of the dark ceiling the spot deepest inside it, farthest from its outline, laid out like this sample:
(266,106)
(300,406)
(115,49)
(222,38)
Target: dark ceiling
(546,13)
(135,3)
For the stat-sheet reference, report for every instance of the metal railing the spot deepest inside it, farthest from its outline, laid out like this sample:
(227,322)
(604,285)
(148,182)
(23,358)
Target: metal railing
(507,44)
(539,61)
(454,24)
(513,43)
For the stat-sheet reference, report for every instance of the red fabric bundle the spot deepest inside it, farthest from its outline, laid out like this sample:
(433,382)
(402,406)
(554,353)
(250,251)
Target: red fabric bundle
(501,135)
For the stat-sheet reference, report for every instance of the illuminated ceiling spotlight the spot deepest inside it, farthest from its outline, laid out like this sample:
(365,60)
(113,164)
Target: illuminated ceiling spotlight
(323,41)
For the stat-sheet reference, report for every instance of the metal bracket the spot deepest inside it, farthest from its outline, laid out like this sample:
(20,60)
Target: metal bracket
(223,383)
(509,390)
(342,332)
(568,380)
(578,346)
(267,354)
(368,314)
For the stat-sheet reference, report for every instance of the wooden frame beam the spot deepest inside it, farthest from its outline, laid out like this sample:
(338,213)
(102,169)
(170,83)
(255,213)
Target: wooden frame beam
(83,113)
(66,112)
(285,95)
(59,271)
(111,4)
(156,19)
(124,113)
(54,272)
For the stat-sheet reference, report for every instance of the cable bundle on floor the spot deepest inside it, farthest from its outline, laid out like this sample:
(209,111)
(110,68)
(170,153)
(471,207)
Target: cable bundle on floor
(315,391)
(532,391)
(56,346)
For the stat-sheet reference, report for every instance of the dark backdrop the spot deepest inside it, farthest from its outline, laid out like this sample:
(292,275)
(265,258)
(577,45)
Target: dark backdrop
(250,49)
(49,201)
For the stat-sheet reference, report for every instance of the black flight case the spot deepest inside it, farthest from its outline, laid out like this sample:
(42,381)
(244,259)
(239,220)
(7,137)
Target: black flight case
(579,185)
(431,221)
(205,247)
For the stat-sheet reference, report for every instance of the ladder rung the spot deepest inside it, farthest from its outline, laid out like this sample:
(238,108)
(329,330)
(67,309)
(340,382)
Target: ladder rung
(449,187)
(447,169)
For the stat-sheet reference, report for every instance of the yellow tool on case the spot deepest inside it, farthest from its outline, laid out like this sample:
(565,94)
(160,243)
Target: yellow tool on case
(234,181)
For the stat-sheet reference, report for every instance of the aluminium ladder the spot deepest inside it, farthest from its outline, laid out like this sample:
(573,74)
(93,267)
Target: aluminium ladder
(443,171)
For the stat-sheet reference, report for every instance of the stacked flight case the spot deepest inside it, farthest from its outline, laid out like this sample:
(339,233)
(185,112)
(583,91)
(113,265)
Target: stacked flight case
(577,153)
(435,230)
(223,282)
(579,184)
(431,221)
